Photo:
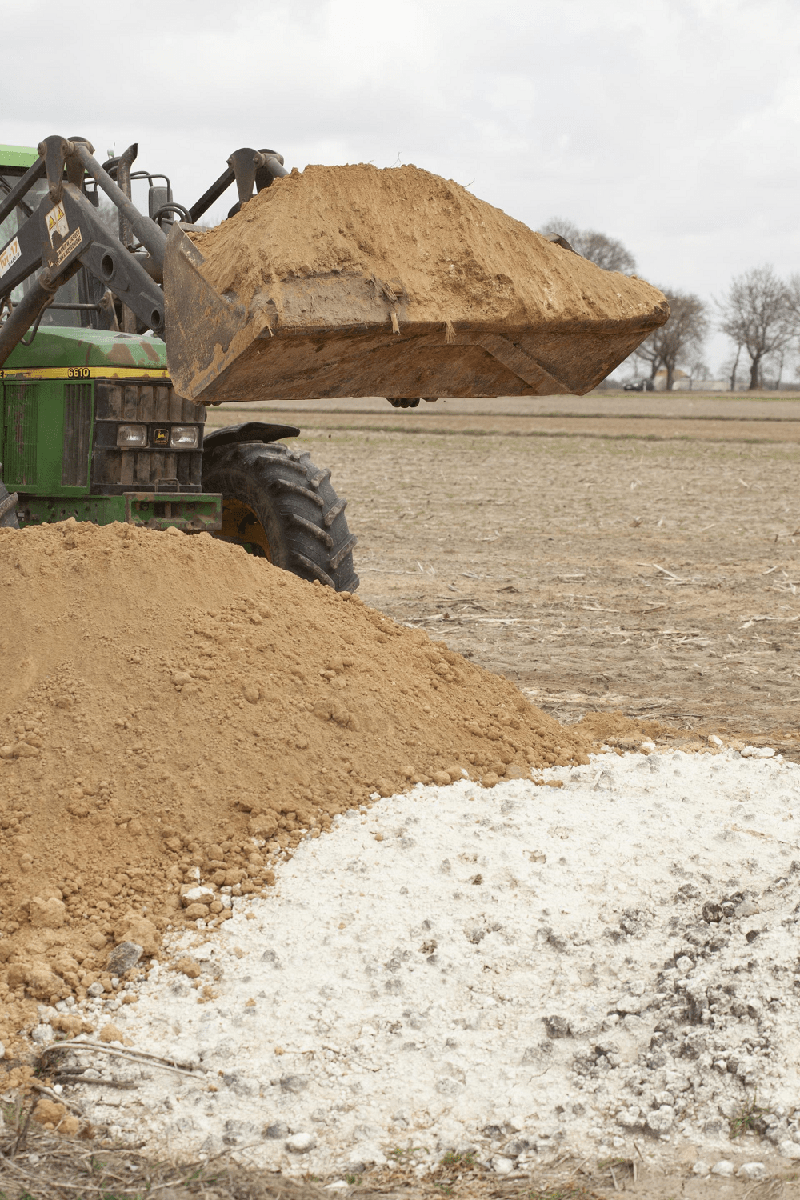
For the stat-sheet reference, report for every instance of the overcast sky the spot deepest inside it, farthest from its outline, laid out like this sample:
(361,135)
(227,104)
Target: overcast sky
(673,125)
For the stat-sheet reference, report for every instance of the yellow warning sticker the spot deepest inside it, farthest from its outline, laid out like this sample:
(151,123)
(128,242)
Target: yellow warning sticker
(9,256)
(74,240)
(57,223)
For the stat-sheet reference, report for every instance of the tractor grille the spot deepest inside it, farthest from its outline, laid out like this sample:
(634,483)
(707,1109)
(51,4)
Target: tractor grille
(116,470)
(77,434)
(20,468)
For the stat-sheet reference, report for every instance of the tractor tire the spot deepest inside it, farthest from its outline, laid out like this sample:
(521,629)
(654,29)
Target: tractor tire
(279,506)
(8,508)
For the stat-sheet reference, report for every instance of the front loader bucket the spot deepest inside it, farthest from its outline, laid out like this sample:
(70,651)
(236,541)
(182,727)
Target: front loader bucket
(335,333)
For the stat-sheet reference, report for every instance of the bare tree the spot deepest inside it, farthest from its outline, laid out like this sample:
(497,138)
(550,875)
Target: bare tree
(757,315)
(732,366)
(793,298)
(680,339)
(604,251)
(698,370)
(773,366)
(793,302)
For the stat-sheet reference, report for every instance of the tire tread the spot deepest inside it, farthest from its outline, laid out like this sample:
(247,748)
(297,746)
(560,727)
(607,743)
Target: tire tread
(301,513)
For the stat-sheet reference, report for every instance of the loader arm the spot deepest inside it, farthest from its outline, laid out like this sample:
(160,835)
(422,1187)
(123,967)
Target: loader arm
(63,233)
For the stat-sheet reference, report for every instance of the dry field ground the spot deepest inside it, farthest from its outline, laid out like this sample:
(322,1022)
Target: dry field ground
(631,552)
(42,1166)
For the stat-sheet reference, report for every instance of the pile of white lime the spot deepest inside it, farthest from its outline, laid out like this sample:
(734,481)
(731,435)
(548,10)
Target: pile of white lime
(605,966)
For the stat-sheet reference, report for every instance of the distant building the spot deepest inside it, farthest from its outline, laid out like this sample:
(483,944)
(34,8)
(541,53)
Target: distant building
(684,383)
(680,382)
(700,385)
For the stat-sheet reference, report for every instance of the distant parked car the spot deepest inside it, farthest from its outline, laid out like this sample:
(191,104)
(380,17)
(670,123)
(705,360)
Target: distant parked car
(639,385)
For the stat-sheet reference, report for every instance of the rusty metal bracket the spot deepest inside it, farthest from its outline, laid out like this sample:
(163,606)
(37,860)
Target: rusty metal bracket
(161,510)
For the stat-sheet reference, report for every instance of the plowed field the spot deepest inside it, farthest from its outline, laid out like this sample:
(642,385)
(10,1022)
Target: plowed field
(636,553)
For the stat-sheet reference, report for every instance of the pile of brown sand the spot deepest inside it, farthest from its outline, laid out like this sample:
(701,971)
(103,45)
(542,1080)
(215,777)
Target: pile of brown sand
(166,700)
(448,254)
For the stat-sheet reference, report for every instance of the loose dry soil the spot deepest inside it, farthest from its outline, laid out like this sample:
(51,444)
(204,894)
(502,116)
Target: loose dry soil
(458,259)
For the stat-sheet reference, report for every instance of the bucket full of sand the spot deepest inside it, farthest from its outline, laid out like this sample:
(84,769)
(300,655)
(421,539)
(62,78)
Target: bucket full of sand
(356,281)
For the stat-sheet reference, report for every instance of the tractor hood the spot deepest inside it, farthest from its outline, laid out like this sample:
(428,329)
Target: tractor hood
(60,347)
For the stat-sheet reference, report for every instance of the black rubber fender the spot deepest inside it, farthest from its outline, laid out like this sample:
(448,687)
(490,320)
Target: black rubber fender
(249,431)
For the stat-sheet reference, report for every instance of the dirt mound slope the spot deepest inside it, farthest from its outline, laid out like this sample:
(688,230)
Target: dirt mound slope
(447,255)
(177,712)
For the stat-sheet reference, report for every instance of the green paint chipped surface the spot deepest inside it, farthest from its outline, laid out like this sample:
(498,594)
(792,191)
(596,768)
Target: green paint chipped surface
(60,346)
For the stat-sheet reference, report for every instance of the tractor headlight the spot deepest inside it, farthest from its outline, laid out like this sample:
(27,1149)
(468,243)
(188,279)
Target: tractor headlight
(129,436)
(184,437)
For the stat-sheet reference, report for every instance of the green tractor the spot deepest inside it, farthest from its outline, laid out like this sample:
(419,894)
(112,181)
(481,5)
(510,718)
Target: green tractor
(113,340)
(90,424)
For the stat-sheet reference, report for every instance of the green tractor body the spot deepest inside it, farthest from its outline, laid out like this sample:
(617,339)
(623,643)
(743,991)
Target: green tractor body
(14,157)
(91,428)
